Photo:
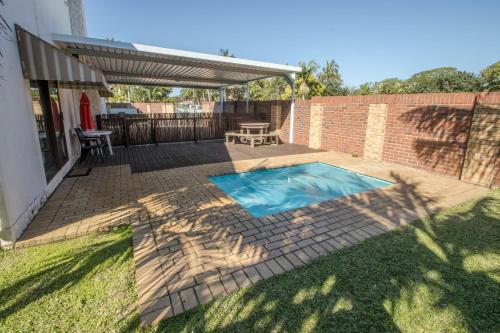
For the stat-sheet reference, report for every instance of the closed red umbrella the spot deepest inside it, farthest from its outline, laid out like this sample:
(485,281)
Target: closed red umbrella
(56,115)
(86,120)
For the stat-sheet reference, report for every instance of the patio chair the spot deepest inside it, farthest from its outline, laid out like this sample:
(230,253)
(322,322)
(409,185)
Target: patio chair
(89,144)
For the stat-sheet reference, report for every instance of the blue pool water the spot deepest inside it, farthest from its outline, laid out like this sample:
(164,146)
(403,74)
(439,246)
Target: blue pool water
(271,191)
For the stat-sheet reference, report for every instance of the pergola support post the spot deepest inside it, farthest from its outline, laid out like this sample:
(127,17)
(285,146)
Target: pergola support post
(247,96)
(291,80)
(221,99)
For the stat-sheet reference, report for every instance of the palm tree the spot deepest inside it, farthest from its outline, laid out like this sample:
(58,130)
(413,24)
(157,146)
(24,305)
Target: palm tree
(231,93)
(303,90)
(225,53)
(330,72)
(331,79)
(306,78)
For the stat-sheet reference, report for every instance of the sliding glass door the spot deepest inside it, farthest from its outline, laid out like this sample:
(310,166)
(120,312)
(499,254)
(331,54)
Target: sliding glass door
(50,126)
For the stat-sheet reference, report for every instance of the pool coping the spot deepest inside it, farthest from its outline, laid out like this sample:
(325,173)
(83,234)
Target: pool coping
(298,164)
(390,183)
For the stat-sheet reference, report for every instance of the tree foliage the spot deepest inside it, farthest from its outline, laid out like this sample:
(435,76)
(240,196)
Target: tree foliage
(327,82)
(307,82)
(390,86)
(444,79)
(198,95)
(269,89)
(491,77)
(331,80)
(140,94)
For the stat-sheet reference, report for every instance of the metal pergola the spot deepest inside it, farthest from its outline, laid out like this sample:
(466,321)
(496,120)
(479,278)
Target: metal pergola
(137,64)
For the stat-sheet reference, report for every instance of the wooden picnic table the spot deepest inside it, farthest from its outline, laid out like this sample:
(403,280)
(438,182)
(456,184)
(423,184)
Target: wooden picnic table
(260,126)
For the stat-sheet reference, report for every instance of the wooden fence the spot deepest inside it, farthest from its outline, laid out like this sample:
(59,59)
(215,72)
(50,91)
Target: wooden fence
(157,128)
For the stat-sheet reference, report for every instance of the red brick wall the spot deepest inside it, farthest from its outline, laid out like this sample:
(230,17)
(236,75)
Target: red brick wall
(285,124)
(484,140)
(301,121)
(344,123)
(428,131)
(142,107)
(425,131)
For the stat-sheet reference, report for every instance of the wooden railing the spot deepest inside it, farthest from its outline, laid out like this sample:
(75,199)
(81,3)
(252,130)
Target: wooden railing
(157,128)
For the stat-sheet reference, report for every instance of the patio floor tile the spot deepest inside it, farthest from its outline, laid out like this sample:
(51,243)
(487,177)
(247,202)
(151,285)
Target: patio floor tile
(203,293)
(193,243)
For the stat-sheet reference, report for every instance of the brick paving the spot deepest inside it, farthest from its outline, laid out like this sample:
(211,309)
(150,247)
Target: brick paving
(192,243)
(168,156)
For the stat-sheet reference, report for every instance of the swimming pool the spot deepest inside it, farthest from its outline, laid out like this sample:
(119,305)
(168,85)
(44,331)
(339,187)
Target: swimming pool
(270,191)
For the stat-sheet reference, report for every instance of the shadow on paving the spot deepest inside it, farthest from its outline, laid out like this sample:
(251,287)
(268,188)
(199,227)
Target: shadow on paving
(430,276)
(185,227)
(168,156)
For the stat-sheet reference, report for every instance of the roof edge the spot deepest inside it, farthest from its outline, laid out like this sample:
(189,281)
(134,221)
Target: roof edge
(60,39)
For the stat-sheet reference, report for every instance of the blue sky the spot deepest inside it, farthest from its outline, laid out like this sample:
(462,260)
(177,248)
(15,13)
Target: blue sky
(370,40)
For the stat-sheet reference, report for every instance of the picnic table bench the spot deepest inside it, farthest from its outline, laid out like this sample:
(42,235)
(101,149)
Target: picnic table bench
(253,138)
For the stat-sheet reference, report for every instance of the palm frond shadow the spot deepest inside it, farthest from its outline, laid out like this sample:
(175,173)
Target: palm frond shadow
(333,293)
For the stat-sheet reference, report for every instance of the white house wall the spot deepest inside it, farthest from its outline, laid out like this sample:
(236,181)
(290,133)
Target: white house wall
(22,179)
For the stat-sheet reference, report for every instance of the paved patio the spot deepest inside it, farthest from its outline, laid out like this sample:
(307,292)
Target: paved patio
(192,243)
(168,156)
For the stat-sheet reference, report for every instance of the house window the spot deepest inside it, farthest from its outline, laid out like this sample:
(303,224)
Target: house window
(50,126)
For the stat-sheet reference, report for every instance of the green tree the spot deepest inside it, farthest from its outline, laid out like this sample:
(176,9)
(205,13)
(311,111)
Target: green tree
(331,80)
(277,88)
(159,94)
(444,79)
(133,94)
(258,90)
(120,93)
(234,93)
(365,89)
(390,86)
(347,90)
(268,89)
(307,83)
(198,95)
(491,77)
(149,94)
(226,53)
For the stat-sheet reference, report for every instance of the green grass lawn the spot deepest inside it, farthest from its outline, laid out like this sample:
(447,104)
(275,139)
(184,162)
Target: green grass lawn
(82,285)
(441,274)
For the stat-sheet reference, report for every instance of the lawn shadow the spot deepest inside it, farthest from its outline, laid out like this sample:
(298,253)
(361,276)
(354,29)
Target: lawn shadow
(62,272)
(376,286)
(186,231)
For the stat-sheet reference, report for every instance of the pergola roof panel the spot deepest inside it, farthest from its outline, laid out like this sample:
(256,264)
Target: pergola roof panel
(120,79)
(129,63)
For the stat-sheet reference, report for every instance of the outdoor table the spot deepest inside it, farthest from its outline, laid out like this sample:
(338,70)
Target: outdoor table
(101,134)
(262,127)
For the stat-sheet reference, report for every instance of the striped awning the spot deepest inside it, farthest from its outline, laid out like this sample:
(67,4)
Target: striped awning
(41,60)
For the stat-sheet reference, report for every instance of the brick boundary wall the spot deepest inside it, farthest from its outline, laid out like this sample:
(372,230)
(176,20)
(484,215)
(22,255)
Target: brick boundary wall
(481,164)
(375,131)
(424,131)
(429,132)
